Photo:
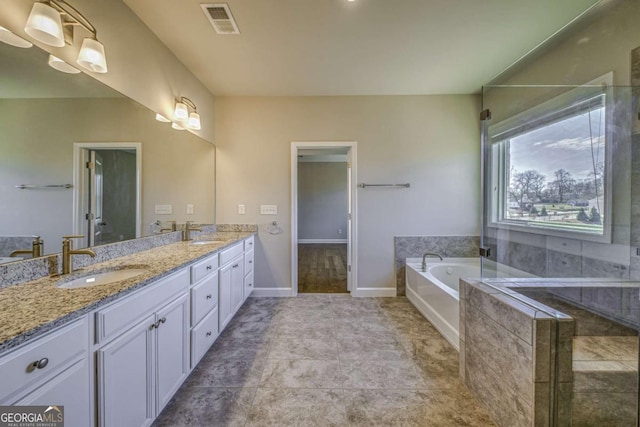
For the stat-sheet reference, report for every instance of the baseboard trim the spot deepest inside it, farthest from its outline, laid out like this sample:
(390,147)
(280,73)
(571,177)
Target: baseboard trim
(376,292)
(307,241)
(271,292)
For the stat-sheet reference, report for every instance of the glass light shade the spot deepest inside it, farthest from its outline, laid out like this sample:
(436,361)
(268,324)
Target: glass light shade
(45,25)
(176,126)
(8,37)
(92,56)
(60,65)
(161,118)
(194,121)
(180,113)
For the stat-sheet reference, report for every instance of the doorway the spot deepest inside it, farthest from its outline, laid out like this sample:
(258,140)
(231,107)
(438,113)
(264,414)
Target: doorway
(106,192)
(323,217)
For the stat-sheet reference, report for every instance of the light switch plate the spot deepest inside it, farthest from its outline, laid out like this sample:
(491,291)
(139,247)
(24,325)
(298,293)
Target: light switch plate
(241,210)
(189,209)
(163,209)
(268,210)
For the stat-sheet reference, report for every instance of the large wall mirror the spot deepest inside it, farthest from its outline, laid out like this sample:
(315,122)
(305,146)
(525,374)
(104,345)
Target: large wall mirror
(141,173)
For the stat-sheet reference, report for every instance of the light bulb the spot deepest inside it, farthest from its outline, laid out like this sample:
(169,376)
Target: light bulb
(180,113)
(9,37)
(45,25)
(92,56)
(194,121)
(60,65)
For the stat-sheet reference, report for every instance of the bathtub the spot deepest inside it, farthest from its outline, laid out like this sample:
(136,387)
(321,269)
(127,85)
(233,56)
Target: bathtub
(435,292)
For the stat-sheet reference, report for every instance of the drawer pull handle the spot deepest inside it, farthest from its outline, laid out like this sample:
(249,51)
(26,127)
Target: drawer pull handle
(38,364)
(154,325)
(250,262)
(209,333)
(235,266)
(209,296)
(208,267)
(164,319)
(250,284)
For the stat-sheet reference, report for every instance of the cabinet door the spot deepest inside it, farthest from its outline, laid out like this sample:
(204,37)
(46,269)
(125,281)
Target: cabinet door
(125,377)
(237,283)
(224,300)
(70,388)
(172,349)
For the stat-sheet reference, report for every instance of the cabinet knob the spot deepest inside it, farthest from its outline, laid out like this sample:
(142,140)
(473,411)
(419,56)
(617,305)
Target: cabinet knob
(164,319)
(208,267)
(209,333)
(235,266)
(38,364)
(209,296)
(250,262)
(250,284)
(153,325)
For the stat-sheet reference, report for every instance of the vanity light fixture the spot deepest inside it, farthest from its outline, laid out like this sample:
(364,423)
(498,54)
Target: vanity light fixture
(60,65)
(12,39)
(52,22)
(186,114)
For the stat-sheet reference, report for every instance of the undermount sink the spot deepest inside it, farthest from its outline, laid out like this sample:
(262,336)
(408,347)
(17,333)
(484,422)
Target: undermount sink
(102,277)
(206,242)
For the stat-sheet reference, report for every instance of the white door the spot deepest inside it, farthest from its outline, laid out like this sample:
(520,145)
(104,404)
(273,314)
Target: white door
(237,283)
(172,349)
(224,300)
(96,194)
(125,377)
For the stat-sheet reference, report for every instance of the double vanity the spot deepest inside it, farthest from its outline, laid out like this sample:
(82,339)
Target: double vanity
(114,341)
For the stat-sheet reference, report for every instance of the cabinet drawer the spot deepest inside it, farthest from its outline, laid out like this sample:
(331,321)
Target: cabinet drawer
(58,349)
(122,315)
(248,262)
(248,285)
(202,268)
(248,244)
(229,254)
(204,297)
(203,336)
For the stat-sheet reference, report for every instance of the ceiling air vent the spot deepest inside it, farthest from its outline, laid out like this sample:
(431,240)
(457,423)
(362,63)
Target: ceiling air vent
(221,18)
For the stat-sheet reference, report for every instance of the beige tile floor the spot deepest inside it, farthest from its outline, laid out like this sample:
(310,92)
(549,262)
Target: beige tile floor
(326,360)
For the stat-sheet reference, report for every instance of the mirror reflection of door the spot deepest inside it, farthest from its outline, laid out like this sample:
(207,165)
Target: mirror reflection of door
(111,214)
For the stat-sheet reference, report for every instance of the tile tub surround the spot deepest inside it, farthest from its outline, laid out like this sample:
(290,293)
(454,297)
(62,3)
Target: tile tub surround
(326,360)
(506,355)
(415,246)
(32,308)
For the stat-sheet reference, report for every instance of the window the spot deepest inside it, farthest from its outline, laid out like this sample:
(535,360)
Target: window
(547,167)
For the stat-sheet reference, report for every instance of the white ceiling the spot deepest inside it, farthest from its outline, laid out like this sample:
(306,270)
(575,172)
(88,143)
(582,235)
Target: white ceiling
(365,47)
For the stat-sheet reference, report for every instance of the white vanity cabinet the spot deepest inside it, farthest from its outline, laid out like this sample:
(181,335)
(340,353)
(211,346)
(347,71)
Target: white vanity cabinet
(230,280)
(144,352)
(52,370)
(204,307)
(248,267)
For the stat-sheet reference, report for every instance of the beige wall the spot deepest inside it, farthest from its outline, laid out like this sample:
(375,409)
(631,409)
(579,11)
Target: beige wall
(140,65)
(37,148)
(431,142)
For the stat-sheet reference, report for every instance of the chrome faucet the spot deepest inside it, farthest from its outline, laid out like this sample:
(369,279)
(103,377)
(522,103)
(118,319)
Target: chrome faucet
(424,259)
(67,251)
(186,234)
(37,248)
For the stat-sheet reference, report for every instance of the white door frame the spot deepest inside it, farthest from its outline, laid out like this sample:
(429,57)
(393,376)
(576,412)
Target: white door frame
(80,184)
(320,145)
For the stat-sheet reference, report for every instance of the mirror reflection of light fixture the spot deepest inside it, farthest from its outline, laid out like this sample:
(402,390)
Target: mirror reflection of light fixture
(161,118)
(60,65)
(176,126)
(186,114)
(52,22)
(12,39)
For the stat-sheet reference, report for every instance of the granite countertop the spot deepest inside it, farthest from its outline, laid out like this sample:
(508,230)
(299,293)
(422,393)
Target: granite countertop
(30,309)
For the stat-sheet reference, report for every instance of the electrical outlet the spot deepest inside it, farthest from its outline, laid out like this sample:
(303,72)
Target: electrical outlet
(268,210)
(241,210)
(339,230)
(189,209)
(163,209)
